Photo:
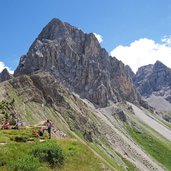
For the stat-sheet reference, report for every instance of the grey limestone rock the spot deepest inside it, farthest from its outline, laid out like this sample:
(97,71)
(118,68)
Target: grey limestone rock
(120,114)
(130,72)
(77,59)
(154,79)
(5,75)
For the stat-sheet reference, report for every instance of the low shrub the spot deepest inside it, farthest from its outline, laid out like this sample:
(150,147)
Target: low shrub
(26,163)
(19,138)
(2,161)
(49,152)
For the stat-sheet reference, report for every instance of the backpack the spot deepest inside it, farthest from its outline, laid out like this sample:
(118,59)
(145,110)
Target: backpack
(40,133)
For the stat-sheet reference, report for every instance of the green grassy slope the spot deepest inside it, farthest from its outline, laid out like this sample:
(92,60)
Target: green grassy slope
(77,156)
(69,114)
(154,146)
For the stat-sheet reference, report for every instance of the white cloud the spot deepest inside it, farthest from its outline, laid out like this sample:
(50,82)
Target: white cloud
(166,40)
(143,52)
(99,37)
(2,66)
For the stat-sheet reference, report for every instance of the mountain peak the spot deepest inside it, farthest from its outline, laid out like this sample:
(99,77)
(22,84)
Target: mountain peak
(158,62)
(5,75)
(154,79)
(159,65)
(58,30)
(55,20)
(55,29)
(78,61)
(4,71)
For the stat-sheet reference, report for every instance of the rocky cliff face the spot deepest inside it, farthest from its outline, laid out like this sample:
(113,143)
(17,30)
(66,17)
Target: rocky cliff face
(154,79)
(41,96)
(77,59)
(5,75)
(130,72)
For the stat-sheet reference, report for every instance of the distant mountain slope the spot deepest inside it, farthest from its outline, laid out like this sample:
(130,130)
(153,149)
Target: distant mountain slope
(159,103)
(154,83)
(154,79)
(77,59)
(41,96)
(149,120)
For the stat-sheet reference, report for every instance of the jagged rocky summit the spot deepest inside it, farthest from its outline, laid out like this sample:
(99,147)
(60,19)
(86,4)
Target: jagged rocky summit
(78,61)
(5,75)
(153,81)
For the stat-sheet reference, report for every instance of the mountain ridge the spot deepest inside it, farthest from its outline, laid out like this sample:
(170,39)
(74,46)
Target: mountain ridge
(68,78)
(81,64)
(153,79)
(153,83)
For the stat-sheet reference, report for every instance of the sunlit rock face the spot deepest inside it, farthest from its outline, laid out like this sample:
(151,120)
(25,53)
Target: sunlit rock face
(78,61)
(154,79)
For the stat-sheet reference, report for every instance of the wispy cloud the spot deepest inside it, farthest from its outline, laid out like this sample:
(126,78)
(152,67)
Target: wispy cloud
(99,37)
(2,66)
(144,51)
(166,40)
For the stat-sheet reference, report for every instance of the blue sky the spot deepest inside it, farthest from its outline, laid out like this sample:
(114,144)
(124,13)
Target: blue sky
(120,22)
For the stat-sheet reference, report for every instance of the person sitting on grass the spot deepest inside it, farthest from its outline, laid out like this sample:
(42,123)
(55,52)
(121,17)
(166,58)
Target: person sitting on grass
(16,126)
(40,132)
(6,124)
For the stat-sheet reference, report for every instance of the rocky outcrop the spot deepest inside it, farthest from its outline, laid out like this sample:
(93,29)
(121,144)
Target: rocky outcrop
(39,88)
(120,114)
(154,79)
(78,61)
(167,118)
(5,75)
(130,72)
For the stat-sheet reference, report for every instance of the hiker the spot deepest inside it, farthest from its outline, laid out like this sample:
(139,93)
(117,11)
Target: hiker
(6,124)
(49,126)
